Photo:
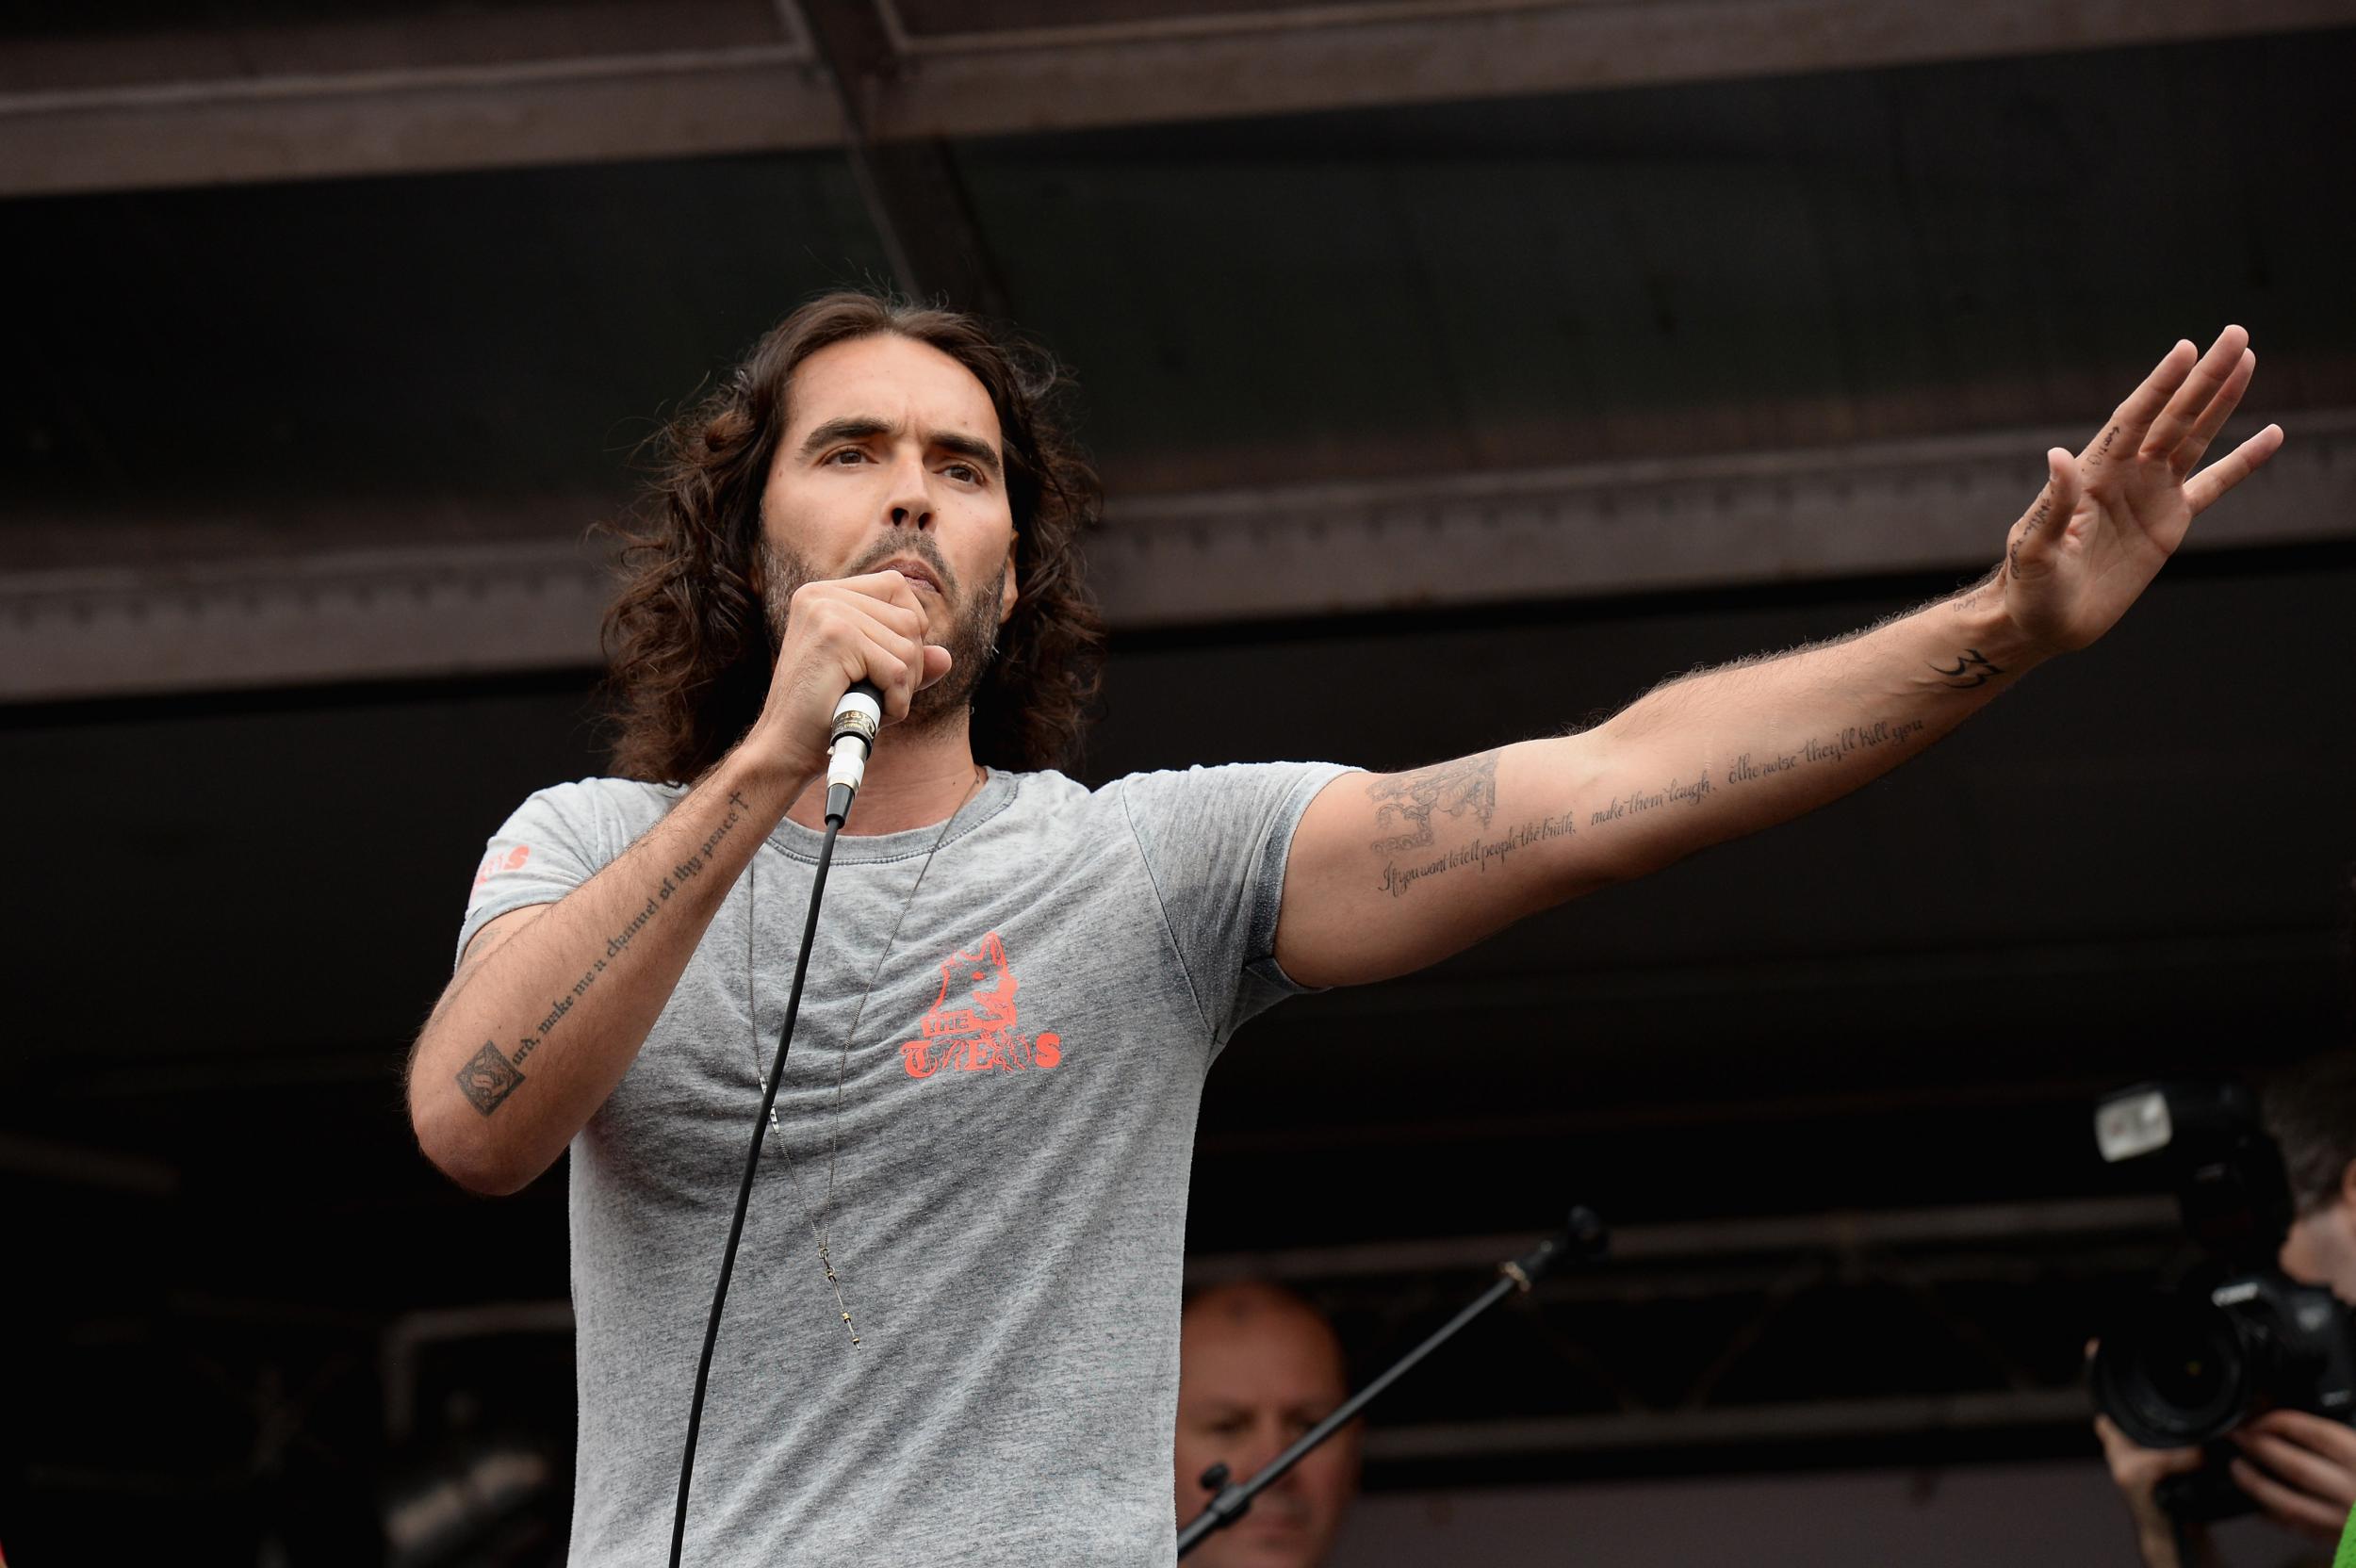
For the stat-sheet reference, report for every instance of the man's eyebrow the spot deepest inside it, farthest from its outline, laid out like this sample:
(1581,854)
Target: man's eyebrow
(1217,1408)
(974,446)
(856,428)
(863,426)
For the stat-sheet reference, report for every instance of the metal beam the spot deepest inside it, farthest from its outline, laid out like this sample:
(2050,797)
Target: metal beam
(1359,56)
(1523,535)
(357,616)
(916,201)
(1657,525)
(223,125)
(400,119)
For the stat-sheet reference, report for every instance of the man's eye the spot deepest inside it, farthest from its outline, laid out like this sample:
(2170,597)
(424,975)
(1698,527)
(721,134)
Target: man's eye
(840,453)
(965,473)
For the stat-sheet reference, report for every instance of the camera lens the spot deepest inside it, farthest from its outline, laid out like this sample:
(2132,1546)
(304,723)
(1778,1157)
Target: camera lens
(2185,1377)
(2178,1378)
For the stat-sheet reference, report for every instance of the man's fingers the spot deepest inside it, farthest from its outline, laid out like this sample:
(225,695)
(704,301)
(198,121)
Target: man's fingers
(904,620)
(2188,453)
(2133,417)
(2203,488)
(937,663)
(876,625)
(893,675)
(2295,1508)
(872,598)
(2333,1439)
(2037,536)
(2199,387)
(901,667)
(2300,1466)
(892,589)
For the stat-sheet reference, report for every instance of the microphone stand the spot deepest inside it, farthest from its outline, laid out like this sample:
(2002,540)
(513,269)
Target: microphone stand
(1583,1240)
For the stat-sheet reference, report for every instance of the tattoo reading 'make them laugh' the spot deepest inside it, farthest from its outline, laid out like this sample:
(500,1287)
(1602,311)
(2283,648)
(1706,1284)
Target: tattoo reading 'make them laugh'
(490,1074)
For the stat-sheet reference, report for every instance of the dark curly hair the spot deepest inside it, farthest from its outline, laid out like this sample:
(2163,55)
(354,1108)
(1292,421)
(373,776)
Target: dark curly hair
(688,644)
(2310,1108)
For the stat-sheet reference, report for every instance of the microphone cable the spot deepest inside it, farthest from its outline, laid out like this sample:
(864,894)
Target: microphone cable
(745,1189)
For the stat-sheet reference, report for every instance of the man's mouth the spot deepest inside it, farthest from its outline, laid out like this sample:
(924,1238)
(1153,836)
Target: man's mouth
(916,572)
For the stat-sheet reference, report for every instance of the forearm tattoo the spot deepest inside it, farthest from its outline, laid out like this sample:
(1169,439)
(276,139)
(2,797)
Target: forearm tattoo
(491,1074)
(1970,670)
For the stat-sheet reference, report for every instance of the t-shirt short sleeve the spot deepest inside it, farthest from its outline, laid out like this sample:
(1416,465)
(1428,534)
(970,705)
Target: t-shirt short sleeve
(552,844)
(1215,841)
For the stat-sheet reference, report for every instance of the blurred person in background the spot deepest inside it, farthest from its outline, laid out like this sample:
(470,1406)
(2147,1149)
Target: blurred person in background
(2298,1468)
(1258,1367)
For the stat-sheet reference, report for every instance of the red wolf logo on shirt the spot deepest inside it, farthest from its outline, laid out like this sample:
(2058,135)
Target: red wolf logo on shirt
(972,1023)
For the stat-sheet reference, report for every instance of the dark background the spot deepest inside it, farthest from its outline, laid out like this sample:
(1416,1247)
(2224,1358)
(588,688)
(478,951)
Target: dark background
(233,896)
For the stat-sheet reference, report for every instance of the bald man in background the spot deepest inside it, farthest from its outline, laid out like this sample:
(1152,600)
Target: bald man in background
(1258,1367)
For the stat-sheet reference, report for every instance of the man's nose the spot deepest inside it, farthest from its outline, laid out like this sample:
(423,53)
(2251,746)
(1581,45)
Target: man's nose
(912,502)
(1260,1451)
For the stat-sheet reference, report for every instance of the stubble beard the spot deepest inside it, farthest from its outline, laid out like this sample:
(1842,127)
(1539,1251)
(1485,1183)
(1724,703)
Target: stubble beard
(970,636)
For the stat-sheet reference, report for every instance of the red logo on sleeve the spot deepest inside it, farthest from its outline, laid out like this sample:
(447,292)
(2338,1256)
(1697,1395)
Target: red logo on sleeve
(498,861)
(973,1022)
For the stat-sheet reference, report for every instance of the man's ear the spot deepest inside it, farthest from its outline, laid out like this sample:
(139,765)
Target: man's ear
(1007,592)
(2348,1185)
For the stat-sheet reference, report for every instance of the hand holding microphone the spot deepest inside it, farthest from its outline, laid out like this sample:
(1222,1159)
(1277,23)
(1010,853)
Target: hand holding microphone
(853,657)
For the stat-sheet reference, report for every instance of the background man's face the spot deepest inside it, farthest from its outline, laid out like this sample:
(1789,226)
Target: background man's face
(2321,1246)
(893,452)
(1256,1369)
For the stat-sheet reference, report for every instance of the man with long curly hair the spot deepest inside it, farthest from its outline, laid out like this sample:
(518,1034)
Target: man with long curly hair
(956,1304)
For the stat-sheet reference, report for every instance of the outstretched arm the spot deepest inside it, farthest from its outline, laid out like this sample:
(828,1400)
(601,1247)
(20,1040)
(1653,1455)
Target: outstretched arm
(1389,872)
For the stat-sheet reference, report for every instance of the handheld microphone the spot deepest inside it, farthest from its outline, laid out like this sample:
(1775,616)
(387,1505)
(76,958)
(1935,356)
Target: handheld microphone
(848,744)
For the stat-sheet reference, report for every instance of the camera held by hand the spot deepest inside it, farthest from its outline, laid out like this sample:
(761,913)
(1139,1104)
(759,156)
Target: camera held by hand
(2235,1336)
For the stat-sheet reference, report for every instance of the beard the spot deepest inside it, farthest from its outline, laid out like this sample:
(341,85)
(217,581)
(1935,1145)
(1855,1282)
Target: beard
(971,634)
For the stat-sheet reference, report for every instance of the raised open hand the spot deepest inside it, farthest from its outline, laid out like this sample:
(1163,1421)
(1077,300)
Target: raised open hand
(2109,518)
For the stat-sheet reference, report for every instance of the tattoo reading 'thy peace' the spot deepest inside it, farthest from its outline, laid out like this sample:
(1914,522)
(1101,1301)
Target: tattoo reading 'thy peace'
(490,1074)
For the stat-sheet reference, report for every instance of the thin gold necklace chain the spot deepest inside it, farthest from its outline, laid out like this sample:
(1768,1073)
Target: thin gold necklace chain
(821,1228)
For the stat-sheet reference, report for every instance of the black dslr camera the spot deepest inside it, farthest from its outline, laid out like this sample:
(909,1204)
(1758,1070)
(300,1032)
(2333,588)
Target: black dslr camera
(2234,1336)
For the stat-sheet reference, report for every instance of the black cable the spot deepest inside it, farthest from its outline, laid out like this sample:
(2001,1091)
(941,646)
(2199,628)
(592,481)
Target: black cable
(745,1189)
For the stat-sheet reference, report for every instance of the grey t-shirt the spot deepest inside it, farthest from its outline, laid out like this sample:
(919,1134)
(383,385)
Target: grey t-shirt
(1008,1171)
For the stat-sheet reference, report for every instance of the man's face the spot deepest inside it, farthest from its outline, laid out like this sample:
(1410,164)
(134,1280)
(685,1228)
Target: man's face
(893,457)
(2321,1246)
(1255,1370)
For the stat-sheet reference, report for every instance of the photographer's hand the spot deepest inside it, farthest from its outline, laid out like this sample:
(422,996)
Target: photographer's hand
(2301,1469)
(2137,1472)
